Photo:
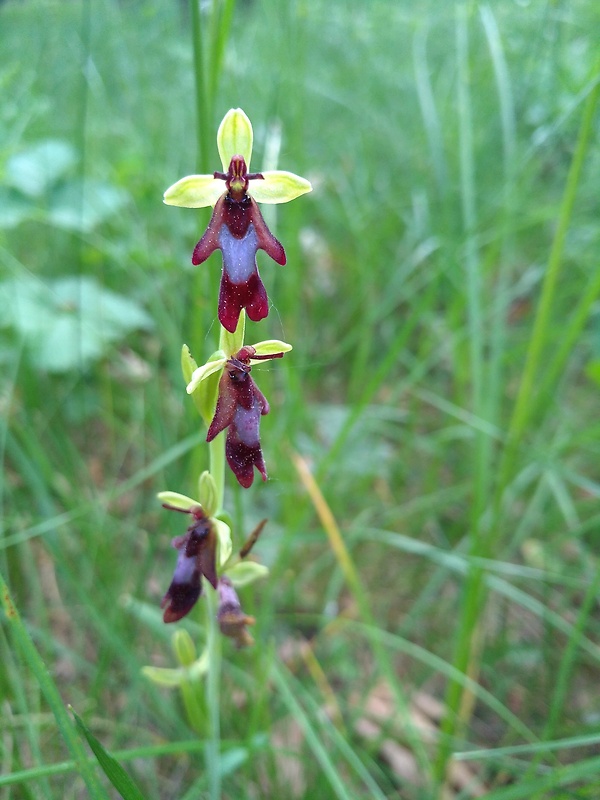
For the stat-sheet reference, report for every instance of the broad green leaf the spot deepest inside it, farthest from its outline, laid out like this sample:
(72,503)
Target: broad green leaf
(34,170)
(68,322)
(83,205)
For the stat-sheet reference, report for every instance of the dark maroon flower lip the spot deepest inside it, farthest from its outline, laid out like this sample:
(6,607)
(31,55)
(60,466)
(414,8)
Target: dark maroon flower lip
(238,230)
(196,557)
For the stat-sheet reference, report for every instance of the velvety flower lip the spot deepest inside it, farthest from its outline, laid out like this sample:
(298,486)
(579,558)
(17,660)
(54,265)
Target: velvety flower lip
(237,227)
(238,230)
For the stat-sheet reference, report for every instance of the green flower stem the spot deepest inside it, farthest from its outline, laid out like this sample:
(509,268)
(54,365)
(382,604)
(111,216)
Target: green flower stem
(212,749)
(216,450)
(213,640)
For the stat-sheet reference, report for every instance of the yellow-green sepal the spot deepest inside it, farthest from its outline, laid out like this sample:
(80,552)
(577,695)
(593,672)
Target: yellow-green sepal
(224,543)
(206,391)
(194,191)
(246,572)
(207,493)
(235,137)
(279,186)
(179,501)
(215,363)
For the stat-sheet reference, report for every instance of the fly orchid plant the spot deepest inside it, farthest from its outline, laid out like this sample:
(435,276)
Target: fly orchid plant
(223,389)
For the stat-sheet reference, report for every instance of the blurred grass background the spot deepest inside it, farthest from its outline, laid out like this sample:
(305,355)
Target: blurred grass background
(439,139)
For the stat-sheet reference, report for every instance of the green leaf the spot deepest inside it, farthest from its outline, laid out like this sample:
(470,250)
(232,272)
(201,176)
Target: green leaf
(34,170)
(39,671)
(14,208)
(165,676)
(83,205)
(279,186)
(208,393)
(235,137)
(115,773)
(68,322)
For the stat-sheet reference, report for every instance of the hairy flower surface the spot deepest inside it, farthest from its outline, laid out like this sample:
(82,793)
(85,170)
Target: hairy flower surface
(237,227)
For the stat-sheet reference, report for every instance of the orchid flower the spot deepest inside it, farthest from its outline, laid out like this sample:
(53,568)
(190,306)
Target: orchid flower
(237,227)
(202,551)
(240,404)
(205,550)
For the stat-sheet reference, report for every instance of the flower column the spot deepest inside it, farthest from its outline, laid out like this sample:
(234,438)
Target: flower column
(223,389)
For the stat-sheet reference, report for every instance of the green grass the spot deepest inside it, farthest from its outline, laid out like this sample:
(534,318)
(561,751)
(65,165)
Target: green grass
(441,297)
